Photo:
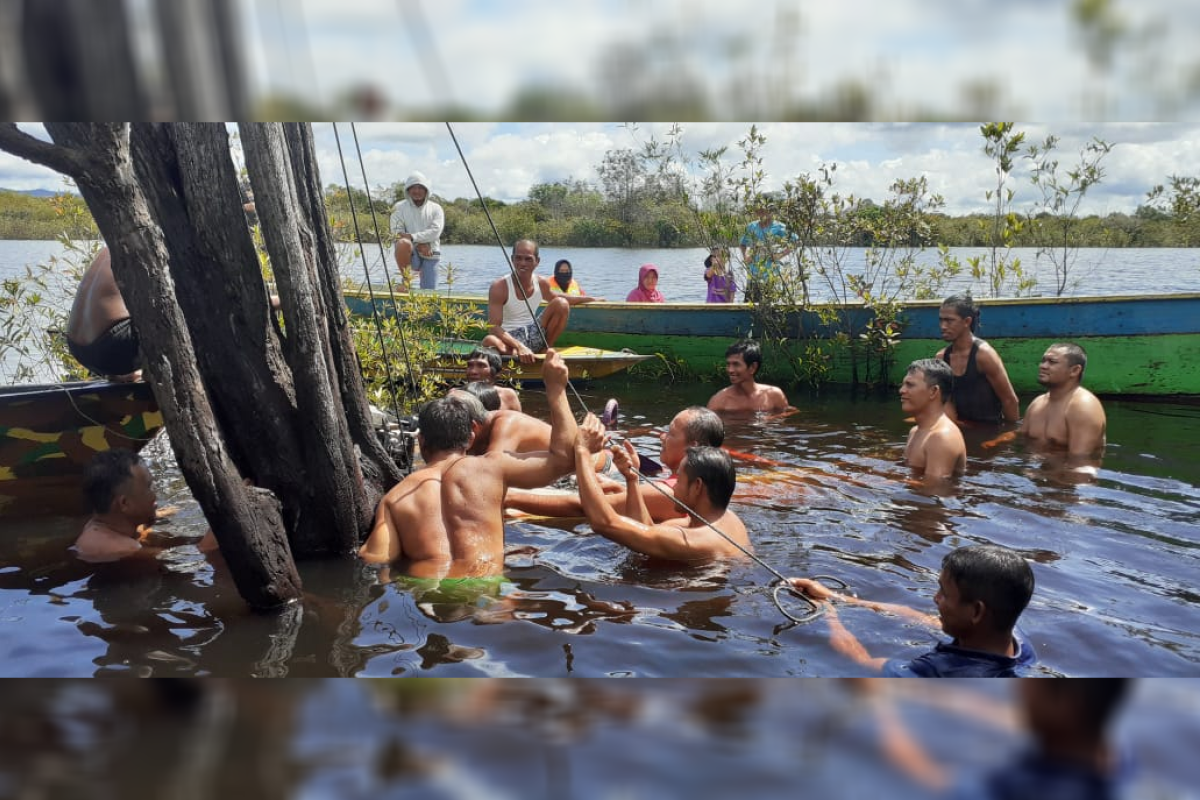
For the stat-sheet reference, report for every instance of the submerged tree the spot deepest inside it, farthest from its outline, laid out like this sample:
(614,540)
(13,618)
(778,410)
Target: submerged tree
(269,422)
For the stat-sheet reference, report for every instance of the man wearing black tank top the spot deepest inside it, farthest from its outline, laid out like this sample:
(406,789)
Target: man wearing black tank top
(982,390)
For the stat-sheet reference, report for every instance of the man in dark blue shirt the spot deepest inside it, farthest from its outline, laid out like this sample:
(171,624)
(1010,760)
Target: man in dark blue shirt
(982,590)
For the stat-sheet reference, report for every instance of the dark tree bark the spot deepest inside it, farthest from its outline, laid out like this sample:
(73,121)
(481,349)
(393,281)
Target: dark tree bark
(287,412)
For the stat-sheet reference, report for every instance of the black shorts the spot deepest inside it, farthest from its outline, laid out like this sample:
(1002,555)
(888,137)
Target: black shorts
(115,352)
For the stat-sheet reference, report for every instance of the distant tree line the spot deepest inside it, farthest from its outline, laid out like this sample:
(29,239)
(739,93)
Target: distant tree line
(632,207)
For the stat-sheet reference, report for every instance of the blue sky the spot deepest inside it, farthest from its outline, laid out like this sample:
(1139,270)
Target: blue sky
(508,158)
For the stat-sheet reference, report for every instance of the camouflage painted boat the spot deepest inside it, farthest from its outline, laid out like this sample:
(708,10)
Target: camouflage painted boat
(49,433)
(585,363)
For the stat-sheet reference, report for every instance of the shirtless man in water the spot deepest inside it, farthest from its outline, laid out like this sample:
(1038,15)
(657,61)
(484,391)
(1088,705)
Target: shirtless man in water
(100,334)
(1067,416)
(705,482)
(742,362)
(935,446)
(445,520)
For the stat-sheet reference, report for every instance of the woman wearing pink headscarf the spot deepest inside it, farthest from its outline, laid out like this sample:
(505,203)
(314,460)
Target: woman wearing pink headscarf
(647,290)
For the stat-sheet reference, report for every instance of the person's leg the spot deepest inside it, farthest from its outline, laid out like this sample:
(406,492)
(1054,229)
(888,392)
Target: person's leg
(428,268)
(554,319)
(404,258)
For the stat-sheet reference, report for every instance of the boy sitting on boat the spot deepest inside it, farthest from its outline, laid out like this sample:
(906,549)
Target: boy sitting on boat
(982,590)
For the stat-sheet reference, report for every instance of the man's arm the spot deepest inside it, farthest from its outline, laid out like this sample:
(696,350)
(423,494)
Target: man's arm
(497,297)
(530,470)
(779,400)
(992,366)
(635,507)
(383,545)
(1085,427)
(819,591)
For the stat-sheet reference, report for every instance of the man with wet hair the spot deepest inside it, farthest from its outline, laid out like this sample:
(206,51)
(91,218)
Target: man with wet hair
(484,365)
(119,491)
(705,483)
(486,393)
(982,590)
(935,448)
(982,391)
(742,362)
(1067,416)
(446,519)
(694,426)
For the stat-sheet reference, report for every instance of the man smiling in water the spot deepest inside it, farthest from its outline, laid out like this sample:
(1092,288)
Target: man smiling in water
(744,393)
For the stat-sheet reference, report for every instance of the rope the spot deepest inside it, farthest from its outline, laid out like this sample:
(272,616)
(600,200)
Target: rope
(387,356)
(781,582)
(98,423)
(507,260)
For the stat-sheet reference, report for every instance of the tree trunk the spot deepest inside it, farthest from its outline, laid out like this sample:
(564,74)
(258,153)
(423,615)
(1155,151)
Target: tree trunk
(286,411)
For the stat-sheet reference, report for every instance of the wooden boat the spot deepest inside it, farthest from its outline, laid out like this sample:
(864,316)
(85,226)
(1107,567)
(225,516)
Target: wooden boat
(50,432)
(1137,345)
(584,362)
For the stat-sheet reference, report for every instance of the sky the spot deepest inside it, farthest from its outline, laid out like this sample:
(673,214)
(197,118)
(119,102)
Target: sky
(1032,59)
(508,158)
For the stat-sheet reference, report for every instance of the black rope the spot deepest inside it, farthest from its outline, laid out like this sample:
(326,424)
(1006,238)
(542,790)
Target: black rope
(387,356)
(507,260)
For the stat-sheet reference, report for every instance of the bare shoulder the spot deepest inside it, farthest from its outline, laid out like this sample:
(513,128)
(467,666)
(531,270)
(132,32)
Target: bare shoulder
(1084,402)
(776,397)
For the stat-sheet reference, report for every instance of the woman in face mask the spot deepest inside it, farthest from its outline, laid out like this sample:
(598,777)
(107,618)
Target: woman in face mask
(563,281)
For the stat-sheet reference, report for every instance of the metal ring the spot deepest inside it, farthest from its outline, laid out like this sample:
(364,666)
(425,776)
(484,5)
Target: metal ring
(782,585)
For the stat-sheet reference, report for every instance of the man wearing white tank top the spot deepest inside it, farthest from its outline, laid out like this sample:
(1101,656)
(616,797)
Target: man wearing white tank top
(512,329)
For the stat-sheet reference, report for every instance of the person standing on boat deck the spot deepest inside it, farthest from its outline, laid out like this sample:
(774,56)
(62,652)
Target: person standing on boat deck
(694,426)
(647,288)
(765,244)
(935,445)
(446,519)
(705,483)
(1067,416)
(417,223)
(722,286)
(981,391)
(742,362)
(512,329)
(484,365)
(982,590)
(100,334)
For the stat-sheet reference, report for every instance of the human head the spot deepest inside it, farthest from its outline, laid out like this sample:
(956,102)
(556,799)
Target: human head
(748,351)
(1080,709)
(445,423)
(483,364)
(417,188)
(648,276)
(695,425)
(487,394)
(525,255)
(713,467)
(993,585)
(563,272)
(962,306)
(936,375)
(117,481)
(1059,364)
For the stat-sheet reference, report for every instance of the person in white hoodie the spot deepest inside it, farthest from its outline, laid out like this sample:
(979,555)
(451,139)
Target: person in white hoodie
(417,224)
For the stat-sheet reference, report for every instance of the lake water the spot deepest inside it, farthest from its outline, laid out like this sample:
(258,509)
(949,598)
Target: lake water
(559,740)
(1115,559)
(1115,562)
(612,273)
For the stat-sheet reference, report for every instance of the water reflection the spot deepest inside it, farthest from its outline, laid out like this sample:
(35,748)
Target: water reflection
(554,738)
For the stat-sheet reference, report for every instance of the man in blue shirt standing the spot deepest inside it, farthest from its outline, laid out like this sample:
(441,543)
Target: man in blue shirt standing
(765,244)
